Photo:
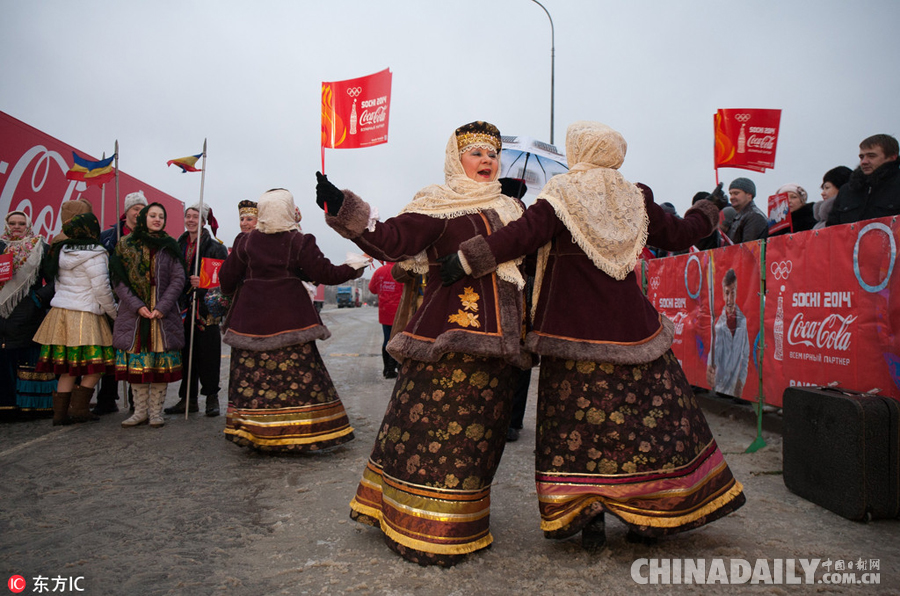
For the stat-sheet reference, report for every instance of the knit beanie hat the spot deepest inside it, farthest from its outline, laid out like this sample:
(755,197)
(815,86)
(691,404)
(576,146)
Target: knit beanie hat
(135,198)
(838,176)
(744,184)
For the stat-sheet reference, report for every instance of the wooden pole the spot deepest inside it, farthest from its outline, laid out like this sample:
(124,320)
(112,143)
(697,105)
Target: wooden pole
(187,393)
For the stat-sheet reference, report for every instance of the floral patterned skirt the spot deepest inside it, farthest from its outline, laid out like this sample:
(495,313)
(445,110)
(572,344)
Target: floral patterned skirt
(427,484)
(283,400)
(631,440)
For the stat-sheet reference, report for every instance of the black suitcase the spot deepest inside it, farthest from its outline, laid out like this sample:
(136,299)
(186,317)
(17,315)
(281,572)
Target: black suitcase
(842,451)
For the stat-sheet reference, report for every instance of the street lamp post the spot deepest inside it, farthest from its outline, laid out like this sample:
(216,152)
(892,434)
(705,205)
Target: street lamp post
(552,64)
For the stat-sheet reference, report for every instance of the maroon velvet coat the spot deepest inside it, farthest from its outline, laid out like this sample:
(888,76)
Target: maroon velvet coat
(485,320)
(582,313)
(271,307)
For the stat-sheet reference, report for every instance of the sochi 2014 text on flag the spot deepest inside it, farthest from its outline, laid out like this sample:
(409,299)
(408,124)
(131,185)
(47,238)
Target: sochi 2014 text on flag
(746,138)
(355,112)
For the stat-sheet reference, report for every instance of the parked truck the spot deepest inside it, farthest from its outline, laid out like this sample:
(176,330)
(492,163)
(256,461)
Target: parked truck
(348,296)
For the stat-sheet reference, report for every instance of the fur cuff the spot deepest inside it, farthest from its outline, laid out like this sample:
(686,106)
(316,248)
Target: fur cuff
(708,209)
(478,256)
(273,342)
(353,217)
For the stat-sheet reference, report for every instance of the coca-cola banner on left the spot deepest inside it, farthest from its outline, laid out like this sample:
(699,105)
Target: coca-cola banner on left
(833,309)
(355,112)
(746,138)
(33,168)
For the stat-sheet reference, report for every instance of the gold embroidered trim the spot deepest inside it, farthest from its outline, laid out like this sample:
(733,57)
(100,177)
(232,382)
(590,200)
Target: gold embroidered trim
(469,299)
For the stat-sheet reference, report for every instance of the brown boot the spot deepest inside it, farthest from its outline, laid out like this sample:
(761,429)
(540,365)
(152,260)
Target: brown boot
(61,408)
(81,404)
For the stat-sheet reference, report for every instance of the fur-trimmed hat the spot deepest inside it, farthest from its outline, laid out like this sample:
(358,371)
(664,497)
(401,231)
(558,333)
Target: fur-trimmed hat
(801,192)
(838,176)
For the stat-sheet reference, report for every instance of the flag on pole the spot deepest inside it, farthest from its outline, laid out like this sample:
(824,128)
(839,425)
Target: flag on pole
(355,112)
(91,172)
(746,138)
(186,163)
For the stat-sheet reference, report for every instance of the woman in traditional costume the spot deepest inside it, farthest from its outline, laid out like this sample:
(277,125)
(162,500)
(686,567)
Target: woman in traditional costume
(75,336)
(280,395)
(24,300)
(427,484)
(149,273)
(618,427)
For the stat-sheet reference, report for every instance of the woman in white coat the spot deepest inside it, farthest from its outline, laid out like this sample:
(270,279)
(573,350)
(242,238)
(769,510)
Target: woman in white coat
(75,337)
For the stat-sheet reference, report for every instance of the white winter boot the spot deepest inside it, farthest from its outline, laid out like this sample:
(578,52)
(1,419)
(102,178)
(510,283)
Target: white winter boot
(141,399)
(157,399)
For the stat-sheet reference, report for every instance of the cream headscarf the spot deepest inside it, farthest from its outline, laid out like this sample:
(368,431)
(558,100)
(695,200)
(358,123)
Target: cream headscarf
(604,212)
(277,212)
(460,195)
(27,253)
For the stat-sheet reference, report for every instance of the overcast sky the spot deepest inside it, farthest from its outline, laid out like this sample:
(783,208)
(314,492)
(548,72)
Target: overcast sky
(161,76)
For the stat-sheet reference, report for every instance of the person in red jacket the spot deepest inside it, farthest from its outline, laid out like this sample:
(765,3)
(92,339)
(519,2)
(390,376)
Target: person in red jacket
(389,292)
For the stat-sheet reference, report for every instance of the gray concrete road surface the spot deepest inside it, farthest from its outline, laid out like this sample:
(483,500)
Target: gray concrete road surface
(180,510)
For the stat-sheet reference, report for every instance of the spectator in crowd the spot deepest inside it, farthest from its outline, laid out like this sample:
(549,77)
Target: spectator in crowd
(874,187)
(249,213)
(134,204)
(616,415)
(802,217)
(148,270)
(75,335)
(832,182)
(729,360)
(389,292)
(725,222)
(749,222)
(428,481)
(24,300)
(280,395)
(205,362)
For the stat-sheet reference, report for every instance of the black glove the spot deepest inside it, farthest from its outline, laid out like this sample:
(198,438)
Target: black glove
(329,198)
(513,187)
(451,269)
(718,197)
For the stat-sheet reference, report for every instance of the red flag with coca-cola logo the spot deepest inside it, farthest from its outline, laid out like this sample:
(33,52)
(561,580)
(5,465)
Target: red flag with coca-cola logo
(355,112)
(746,138)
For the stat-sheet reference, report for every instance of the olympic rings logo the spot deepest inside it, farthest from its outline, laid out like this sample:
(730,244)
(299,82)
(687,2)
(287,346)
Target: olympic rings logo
(654,283)
(883,228)
(781,270)
(354,91)
(742,117)
(693,294)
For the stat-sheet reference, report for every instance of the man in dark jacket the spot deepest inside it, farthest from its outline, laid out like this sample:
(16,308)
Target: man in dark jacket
(205,361)
(874,187)
(749,222)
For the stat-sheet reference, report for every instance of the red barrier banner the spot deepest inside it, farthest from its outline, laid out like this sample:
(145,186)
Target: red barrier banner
(833,309)
(355,112)
(746,138)
(677,288)
(33,167)
(779,212)
(733,282)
